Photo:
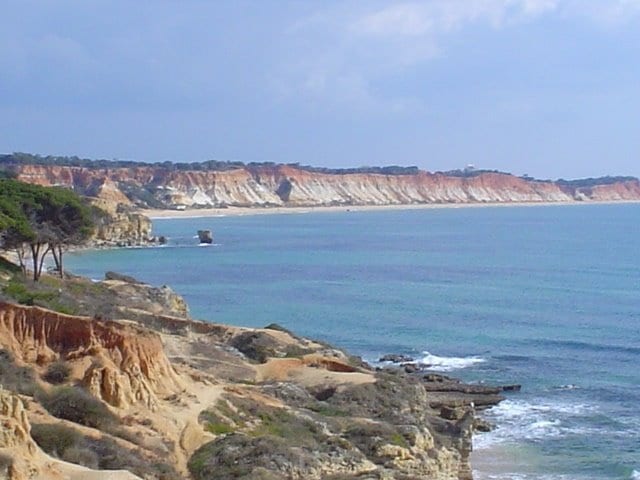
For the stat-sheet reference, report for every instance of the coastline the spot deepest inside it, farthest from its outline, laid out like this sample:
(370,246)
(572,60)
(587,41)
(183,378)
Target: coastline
(244,211)
(486,462)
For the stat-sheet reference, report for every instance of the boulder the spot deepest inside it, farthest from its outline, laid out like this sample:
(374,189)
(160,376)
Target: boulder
(396,358)
(205,236)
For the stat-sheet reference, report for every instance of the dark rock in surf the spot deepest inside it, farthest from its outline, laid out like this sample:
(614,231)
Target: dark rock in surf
(511,388)
(205,236)
(395,358)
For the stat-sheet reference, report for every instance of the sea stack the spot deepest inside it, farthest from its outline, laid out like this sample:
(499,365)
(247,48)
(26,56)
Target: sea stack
(205,236)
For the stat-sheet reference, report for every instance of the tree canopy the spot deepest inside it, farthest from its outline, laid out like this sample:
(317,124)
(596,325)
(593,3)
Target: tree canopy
(39,220)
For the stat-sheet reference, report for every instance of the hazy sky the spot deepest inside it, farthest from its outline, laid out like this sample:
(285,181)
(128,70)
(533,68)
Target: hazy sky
(545,87)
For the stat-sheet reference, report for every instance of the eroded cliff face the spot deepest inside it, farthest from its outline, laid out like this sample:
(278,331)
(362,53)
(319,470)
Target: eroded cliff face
(125,365)
(282,185)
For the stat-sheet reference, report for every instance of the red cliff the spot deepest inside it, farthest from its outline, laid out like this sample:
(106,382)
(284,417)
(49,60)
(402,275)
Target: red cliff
(159,186)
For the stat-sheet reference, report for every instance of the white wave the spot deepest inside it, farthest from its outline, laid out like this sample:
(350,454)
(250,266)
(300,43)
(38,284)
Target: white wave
(479,475)
(519,420)
(446,364)
(569,386)
(635,475)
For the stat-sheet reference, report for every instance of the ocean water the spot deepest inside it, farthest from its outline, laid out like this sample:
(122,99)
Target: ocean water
(548,297)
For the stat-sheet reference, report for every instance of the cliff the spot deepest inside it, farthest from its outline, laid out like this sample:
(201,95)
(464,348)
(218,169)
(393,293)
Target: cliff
(167,397)
(263,185)
(128,364)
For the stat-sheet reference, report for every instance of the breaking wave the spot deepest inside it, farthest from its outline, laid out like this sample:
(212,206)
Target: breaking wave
(517,420)
(446,364)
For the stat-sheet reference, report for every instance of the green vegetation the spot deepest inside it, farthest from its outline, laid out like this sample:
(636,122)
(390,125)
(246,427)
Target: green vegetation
(16,378)
(38,220)
(5,463)
(47,293)
(216,423)
(25,296)
(13,159)
(55,438)
(592,182)
(101,453)
(57,373)
(78,406)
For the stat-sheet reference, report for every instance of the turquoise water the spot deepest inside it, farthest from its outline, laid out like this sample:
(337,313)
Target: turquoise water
(543,296)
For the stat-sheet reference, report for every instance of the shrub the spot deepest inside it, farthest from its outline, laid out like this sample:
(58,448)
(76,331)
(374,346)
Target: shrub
(103,453)
(55,438)
(76,405)
(81,456)
(112,456)
(58,372)
(15,378)
(5,462)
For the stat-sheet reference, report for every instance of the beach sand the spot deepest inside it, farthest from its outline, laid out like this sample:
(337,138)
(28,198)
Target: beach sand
(240,211)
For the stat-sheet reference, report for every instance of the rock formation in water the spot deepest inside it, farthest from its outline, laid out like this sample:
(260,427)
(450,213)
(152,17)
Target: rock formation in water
(263,185)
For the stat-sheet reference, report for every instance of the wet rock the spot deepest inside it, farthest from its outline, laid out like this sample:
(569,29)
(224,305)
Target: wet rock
(411,368)
(511,388)
(396,358)
(482,425)
(437,377)
(205,236)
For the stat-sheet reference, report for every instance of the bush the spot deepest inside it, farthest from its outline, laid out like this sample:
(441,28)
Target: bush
(103,453)
(81,456)
(76,405)
(58,372)
(5,462)
(15,378)
(112,456)
(55,438)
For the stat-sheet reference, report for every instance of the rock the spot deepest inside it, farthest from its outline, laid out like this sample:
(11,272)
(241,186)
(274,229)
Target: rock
(437,377)
(453,413)
(205,236)
(511,388)
(481,425)
(396,358)
(15,425)
(120,226)
(411,368)
(121,277)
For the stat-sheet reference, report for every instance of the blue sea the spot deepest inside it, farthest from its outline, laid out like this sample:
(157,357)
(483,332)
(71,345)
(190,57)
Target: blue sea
(547,297)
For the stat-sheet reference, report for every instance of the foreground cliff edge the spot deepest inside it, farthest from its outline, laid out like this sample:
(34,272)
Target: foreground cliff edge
(136,389)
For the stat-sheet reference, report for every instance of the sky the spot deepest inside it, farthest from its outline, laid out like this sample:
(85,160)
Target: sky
(548,88)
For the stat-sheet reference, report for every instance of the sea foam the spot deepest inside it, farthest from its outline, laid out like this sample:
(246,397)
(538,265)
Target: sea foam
(517,420)
(446,364)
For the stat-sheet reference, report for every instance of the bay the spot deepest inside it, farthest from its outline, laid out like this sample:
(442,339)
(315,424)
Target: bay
(544,296)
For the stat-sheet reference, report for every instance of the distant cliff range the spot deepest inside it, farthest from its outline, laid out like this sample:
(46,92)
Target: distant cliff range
(218,184)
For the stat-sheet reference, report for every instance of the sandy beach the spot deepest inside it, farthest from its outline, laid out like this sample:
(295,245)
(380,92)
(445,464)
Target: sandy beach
(240,211)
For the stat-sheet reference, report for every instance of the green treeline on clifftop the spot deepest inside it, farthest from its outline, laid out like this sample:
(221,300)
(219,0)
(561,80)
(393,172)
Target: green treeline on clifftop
(7,161)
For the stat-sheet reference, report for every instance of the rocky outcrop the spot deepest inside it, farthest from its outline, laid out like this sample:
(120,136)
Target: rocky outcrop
(205,236)
(127,364)
(118,225)
(16,445)
(284,185)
